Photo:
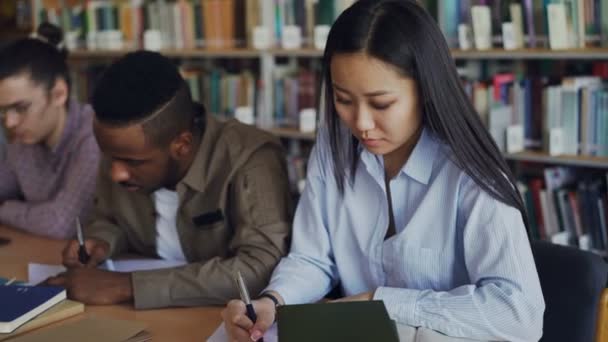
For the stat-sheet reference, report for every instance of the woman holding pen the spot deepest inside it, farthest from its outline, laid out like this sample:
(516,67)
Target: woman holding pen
(408,199)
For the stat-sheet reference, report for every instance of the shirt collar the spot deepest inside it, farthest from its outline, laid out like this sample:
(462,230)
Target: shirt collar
(419,166)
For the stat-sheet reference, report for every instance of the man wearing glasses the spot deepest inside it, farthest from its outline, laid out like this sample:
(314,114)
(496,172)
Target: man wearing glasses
(47,177)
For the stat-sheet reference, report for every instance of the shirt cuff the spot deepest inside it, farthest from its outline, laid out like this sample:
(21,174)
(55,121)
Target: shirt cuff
(281,287)
(400,304)
(150,289)
(9,210)
(292,293)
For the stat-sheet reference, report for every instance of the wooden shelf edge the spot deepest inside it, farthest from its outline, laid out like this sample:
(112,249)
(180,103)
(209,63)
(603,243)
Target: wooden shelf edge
(291,133)
(540,157)
(177,53)
(588,53)
(532,53)
(304,52)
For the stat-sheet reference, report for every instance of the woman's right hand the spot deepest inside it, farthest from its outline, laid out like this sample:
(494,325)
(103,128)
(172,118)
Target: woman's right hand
(240,328)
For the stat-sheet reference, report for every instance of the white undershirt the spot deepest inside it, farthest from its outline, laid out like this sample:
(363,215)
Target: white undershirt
(168,246)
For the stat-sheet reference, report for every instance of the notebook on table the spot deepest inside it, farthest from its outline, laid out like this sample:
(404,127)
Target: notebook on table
(63,310)
(22,303)
(342,321)
(347,321)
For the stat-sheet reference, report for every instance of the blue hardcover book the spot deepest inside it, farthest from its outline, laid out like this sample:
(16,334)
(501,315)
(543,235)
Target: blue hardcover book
(22,303)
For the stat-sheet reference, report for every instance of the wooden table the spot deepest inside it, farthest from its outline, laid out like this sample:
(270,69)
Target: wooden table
(174,324)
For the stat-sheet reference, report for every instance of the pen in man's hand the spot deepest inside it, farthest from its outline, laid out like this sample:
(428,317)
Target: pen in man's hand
(245,298)
(83,256)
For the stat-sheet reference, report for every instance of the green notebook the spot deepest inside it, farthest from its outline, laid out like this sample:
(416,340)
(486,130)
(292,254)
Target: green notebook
(350,321)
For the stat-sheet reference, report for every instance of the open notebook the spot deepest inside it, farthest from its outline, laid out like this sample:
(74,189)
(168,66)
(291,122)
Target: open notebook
(220,335)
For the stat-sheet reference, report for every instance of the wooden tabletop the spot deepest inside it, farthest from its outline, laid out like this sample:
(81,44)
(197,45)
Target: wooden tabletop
(174,324)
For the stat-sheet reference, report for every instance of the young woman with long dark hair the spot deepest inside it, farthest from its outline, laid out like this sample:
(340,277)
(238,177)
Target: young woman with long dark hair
(408,200)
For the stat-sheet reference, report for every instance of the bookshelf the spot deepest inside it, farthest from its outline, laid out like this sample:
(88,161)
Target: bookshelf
(532,54)
(80,54)
(494,54)
(553,87)
(14,19)
(544,158)
(84,54)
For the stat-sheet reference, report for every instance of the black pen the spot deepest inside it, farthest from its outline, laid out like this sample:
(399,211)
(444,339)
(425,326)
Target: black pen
(240,283)
(83,256)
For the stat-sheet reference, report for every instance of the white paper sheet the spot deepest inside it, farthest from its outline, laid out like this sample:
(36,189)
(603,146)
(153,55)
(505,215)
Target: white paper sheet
(406,334)
(220,335)
(132,265)
(38,273)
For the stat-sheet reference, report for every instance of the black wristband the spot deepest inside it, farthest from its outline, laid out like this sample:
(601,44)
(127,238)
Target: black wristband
(271,297)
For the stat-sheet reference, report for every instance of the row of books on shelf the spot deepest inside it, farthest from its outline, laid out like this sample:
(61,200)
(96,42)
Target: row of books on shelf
(568,209)
(481,24)
(15,15)
(190,24)
(294,91)
(221,91)
(517,23)
(562,116)
(225,92)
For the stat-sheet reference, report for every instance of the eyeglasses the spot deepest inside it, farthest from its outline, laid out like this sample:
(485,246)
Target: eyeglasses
(21,109)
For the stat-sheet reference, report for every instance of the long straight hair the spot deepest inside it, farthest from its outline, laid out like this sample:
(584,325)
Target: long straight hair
(402,34)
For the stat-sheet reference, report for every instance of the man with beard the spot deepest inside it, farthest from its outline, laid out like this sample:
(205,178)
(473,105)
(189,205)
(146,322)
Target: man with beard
(177,184)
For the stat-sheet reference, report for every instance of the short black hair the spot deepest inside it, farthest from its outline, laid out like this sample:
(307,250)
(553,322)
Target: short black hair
(42,57)
(145,88)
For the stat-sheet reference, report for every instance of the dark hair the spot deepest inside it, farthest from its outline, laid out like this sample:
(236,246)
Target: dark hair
(42,57)
(401,33)
(146,88)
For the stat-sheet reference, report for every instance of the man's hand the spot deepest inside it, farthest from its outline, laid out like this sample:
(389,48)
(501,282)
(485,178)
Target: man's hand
(356,298)
(93,286)
(98,250)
